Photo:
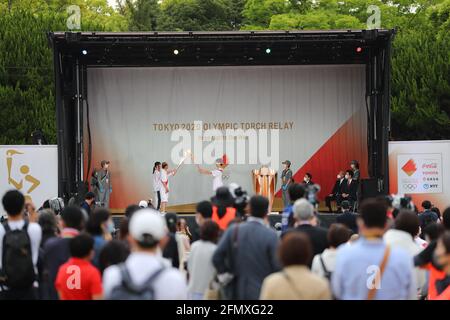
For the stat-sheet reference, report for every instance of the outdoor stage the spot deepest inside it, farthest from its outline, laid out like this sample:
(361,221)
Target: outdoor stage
(326,92)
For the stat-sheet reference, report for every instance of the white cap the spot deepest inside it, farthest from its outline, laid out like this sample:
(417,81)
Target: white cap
(147,222)
(143,204)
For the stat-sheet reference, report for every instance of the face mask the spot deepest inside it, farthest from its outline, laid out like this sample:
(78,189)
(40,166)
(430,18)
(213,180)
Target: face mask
(111,227)
(305,179)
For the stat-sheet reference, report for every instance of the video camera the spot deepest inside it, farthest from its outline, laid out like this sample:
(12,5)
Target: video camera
(241,198)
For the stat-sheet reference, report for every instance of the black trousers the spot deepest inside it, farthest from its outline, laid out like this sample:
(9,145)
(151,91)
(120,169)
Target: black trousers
(334,197)
(158,205)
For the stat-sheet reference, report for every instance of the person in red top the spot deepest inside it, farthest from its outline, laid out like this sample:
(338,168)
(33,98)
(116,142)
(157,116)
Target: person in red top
(78,279)
(223,211)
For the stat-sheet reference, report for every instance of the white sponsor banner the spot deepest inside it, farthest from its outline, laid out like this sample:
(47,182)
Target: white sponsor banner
(420,169)
(31,169)
(419,173)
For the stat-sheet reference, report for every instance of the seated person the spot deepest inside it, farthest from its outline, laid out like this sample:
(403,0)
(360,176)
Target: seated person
(336,193)
(350,187)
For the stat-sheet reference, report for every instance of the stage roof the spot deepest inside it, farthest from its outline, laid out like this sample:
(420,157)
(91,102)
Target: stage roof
(100,49)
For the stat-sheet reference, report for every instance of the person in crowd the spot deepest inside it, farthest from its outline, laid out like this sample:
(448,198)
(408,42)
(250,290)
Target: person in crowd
(200,268)
(296,191)
(203,211)
(19,250)
(87,276)
(350,188)
(347,217)
(442,254)
(323,264)
(101,227)
(438,212)
(354,165)
(223,210)
(336,193)
(406,227)
(185,237)
(306,221)
(286,182)
(173,250)
(370,269)
(88,202)
(295,281)
(56,250)
(157,183)
(49,225)
(143,204)
(433,231)
(123,229)
(426,259)
(427,216)
(307,179)
(144,267)
(130,210)
(246,253)
(112,253)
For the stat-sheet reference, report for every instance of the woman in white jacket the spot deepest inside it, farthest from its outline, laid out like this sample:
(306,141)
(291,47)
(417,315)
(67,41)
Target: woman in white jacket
(406,227)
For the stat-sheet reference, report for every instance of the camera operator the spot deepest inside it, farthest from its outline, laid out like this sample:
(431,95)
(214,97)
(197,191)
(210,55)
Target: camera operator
(241,199)
(223,210)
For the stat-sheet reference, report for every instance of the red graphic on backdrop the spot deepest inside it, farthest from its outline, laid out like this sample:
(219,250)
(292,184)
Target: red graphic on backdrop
(410,167)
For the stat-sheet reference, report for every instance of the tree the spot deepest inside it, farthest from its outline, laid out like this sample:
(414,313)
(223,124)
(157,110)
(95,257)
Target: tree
(259,12)
(143,14)
(194,15)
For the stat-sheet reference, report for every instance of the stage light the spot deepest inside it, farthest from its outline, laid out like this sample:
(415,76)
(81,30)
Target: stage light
(359,49)
(268,51)
(84,52)
(175,52)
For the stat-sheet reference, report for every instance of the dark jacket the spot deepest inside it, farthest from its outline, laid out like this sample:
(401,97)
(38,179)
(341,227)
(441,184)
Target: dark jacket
(427,217)
(56,252)
(338,185)
(351,189)
(348,219)
(86,207)
(250,254)
(317,235)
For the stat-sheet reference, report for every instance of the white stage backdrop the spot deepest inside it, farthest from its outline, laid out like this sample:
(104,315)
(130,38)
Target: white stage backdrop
(31,169)
(319,111)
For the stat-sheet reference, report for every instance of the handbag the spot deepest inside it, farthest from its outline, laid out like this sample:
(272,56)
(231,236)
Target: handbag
(213,290)
(227,281)
(373,290)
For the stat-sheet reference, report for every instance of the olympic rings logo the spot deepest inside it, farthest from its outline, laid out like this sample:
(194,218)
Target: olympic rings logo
(410,186)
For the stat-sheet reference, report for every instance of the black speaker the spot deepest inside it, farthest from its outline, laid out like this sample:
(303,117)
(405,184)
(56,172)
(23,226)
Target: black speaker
(369,188)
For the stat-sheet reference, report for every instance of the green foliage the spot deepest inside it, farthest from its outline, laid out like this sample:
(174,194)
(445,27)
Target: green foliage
(194,15)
